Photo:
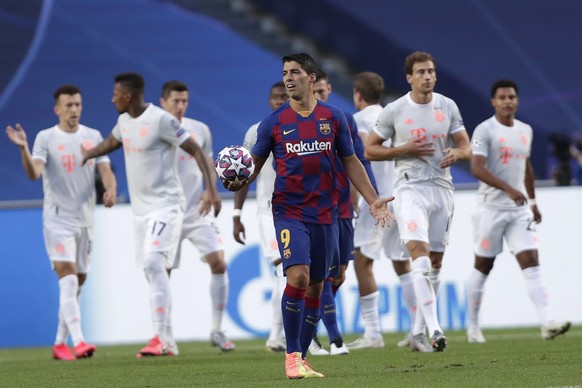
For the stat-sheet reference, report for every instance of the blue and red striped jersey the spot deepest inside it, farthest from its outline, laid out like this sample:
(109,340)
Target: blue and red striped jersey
(305,149)
(346,208)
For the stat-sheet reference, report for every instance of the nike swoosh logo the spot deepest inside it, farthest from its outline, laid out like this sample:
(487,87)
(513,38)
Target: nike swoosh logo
(330,268)
(289,131)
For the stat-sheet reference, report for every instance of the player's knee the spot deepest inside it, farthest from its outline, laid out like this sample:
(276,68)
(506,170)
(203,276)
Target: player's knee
(154,264)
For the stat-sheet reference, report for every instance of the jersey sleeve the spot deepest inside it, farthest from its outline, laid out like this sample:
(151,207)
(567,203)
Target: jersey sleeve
(171,130)
(207,146)
(344,143)
(385,125)
(480,141)
(116,132)
(250,137)
(456,119)
(40,147)
(530,134)
(265,141)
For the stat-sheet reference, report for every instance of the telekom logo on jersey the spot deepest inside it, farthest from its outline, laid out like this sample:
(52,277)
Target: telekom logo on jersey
(306,148)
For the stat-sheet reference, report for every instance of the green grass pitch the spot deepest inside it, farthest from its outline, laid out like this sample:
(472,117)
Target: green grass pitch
(510,358)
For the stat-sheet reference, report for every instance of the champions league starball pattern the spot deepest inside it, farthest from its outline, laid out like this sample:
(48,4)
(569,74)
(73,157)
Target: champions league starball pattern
(234,164)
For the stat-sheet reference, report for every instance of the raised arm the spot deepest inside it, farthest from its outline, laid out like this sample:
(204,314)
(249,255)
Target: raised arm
(32,167)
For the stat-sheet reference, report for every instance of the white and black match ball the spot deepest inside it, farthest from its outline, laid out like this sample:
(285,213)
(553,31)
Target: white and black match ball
(234,164)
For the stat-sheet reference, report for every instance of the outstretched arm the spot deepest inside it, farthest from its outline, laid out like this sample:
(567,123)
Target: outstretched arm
(32,167)
(236,186)
(106,146)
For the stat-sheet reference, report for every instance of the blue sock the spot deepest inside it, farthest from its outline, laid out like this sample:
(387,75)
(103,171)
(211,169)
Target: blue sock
(311,319)
(292,306)
(328,312)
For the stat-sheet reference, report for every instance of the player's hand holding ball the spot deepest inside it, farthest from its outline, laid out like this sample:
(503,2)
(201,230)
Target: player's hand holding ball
(234,165)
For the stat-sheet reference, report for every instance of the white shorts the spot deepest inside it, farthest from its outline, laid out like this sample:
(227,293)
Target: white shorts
(202,232)
(372,238)
(68,243)
(158,231)
(424,213)
(269,244)
(491,225)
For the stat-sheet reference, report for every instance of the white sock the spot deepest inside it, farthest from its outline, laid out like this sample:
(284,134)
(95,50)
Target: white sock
(425,296)
(69,306)
(62,331)
(475,288)
(409,295)
(370,315)
(160,296)
(537,293)
(218,297)
(435,279)
(279,283)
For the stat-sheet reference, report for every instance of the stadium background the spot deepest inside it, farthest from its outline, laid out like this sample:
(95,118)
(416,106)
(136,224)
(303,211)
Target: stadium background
(47,43)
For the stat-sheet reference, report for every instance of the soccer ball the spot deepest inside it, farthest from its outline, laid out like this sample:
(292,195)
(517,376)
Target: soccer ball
(234,164)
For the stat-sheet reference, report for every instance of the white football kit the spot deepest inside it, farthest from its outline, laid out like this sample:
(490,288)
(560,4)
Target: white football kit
(507,150)
(423,190)
(370,237)
(200,230)
(264,189)
(69,193)
(157,200)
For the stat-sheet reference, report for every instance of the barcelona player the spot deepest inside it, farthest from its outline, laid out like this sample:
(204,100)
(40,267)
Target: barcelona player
(305,136)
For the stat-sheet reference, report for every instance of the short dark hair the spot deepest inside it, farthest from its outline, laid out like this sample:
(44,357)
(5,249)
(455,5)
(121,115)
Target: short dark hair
(370,85)
(173,86)
(503,83)
(132,81)
(320,74)
(279,84)
(305,60)
(70,90)
(417,57)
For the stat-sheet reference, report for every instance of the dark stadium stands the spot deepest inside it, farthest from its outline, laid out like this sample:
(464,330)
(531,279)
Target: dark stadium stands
(535,42)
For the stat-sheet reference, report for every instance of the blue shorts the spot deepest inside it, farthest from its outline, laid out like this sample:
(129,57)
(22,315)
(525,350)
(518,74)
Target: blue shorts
(346,246)
(310,244)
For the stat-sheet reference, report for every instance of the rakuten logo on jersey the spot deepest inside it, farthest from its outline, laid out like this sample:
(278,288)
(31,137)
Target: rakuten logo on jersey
(306,148)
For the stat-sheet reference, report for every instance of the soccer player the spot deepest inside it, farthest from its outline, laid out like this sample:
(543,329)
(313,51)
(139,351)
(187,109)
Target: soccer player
(305,136)
(200,230)
(322,89)
(265,183)
(501,151)
(428,136)
(68,207)
(369,239)
(149,137)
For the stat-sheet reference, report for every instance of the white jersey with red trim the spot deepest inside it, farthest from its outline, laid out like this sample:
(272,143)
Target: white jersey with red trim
(69,187)
(404,120)
(189,172)
(383,170)
(149,146)
(507,150)
(266,178)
